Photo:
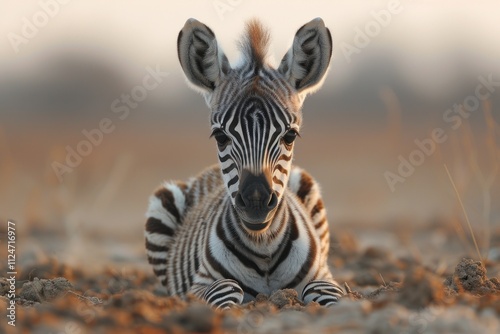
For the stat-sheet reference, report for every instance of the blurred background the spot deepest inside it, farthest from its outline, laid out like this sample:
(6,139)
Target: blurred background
(398,68)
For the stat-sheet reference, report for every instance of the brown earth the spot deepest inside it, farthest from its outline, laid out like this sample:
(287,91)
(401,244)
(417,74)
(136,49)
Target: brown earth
(411,299)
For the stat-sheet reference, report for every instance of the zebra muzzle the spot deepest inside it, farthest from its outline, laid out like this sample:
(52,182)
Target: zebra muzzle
(255,201)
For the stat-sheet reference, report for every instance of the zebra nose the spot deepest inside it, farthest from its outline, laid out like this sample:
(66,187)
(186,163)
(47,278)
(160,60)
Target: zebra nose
(256,193)
(257,200)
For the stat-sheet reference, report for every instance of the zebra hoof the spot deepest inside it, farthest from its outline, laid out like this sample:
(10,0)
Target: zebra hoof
(324,293)
(223,294)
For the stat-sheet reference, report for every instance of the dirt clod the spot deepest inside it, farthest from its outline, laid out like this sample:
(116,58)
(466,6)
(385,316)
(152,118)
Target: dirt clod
(4,286)
(119,300)
(41,290)
(470,276)
(285,298)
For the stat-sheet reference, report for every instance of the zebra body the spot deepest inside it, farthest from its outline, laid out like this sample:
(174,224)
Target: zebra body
(252,224)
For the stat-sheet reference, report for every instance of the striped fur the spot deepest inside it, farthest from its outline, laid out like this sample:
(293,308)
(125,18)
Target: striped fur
(198,236)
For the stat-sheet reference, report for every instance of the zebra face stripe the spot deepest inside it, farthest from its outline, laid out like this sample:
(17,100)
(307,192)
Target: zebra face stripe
(255,121)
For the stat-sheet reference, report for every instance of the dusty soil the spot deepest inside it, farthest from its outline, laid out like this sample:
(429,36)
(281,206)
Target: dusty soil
(386,294)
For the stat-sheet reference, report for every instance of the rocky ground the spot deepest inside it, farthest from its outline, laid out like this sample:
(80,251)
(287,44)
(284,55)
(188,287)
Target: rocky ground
(386,294)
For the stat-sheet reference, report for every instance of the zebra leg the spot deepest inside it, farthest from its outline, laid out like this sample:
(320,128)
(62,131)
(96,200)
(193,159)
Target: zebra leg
(325,293)
(308,192)
(222,293)
(165,213)
(324,289)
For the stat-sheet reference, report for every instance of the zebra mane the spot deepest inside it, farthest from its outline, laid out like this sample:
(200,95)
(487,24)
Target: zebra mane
(255,43)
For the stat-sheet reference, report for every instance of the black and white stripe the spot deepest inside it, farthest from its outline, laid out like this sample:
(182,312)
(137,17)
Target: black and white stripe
(196,239)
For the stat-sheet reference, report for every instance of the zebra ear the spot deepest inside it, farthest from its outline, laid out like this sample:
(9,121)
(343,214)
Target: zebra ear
(306,63)
(202,60)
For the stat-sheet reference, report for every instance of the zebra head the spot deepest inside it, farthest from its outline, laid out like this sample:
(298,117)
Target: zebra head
(256,108)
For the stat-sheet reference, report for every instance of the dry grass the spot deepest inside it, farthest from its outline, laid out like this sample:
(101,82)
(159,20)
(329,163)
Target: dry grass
(477,160)
(465,214)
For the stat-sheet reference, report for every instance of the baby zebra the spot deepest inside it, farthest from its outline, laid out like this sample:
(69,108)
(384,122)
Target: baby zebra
(253,223)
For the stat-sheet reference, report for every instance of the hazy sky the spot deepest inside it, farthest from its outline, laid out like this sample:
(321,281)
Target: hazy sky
(427,42)
(148,28)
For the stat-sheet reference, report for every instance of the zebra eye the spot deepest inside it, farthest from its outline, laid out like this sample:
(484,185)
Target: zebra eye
(290,136)
(221,138)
